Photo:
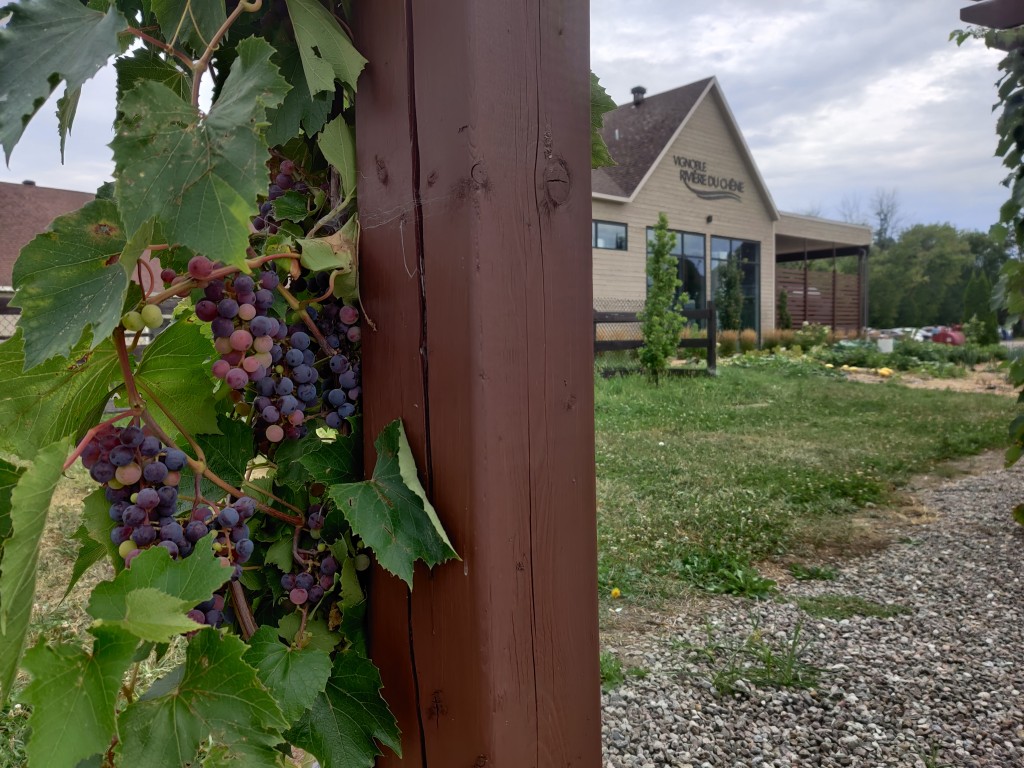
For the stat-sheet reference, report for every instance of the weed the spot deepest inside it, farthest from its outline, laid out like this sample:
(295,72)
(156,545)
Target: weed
(931,758)
(640,673)
(725,574)
(802,572)
(847,606)
(612,674)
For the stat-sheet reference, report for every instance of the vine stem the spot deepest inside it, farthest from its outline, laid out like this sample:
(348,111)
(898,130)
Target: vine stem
(297,306)
(269,495)
(190,283)
(243,611)
(200,455)
(166,48)
(204,61)
(300,636)
(92,433)
(296,553)
(126,370)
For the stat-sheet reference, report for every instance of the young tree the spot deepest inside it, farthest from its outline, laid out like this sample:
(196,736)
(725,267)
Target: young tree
(785,320)
(730,296)
(978,304)
(660,319)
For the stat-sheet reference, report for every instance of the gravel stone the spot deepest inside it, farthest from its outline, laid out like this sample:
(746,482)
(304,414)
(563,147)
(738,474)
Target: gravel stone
(940,686)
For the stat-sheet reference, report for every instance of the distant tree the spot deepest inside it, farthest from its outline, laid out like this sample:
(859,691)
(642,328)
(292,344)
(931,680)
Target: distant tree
(661,321)
(785,320)
(920,279)
(729,301)
(885,210)
(814,209)
(978,304)
(851,209)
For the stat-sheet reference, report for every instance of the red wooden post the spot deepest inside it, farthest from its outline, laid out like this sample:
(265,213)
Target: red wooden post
(474,160)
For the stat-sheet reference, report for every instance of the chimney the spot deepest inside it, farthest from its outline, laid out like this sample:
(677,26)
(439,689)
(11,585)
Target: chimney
(638,95)
(28,183)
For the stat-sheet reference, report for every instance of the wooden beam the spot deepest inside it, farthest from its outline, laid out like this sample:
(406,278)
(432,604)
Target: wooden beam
(997,14)
(474,161)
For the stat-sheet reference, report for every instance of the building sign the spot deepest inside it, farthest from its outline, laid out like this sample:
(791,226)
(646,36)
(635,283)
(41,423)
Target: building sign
(707,186)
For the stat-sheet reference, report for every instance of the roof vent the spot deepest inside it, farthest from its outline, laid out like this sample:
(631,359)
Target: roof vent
(28,183)
(638,95)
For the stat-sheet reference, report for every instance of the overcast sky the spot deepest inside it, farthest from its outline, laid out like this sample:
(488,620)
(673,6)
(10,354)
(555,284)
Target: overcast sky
(836,99)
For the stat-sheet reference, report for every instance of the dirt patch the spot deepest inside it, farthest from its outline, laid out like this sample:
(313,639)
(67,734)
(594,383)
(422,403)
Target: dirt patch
(981,379)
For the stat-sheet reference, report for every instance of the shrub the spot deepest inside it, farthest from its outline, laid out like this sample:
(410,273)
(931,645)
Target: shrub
(730,295)
(728,343)
(811,335)
(785,320)
(660,319)
(770,341)
(748,340)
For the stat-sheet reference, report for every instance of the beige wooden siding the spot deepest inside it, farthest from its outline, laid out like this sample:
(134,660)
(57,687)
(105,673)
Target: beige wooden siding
(706,138)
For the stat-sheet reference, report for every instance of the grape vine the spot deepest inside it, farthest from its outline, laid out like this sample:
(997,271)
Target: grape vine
(225,445)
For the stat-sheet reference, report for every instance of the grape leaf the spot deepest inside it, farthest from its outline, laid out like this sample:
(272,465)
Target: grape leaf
(90,552)
(74,697)
(339,147)
(341,727)
(44,43)
(391,513)
(55,399)
(188,582)
(174,371)
(291,206)
(30,502)
(294,676)
(600,102)
(198,176)
(227,454)
(68,279)
(146,64)
(192,21)
(215,693)
(9,476)
(318,634)
(67,106)
(280,554)
(156,616)
(290,471)
(335,462)
(326,51)
(299,110)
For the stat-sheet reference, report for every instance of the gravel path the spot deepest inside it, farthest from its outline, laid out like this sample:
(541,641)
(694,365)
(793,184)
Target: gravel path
(940,685)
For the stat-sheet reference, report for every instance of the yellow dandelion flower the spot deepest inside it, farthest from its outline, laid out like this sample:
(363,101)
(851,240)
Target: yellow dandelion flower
(616,593)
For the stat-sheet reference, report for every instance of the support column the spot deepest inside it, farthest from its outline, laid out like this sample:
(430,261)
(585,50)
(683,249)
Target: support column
(474,160)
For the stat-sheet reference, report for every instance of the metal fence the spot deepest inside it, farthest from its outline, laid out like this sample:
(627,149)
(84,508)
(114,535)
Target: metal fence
(621,330)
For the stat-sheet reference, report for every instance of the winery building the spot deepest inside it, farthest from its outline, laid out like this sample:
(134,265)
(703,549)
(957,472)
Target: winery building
(682,153)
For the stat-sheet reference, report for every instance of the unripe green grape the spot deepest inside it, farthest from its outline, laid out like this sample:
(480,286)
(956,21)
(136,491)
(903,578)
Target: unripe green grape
(362,561)
(152,316)
(126,548)
(132,321)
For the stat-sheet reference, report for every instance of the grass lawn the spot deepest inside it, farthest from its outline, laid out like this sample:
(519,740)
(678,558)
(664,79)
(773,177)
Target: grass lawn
(699,477)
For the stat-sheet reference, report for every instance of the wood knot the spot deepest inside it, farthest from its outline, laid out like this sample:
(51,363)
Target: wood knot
(557,183)
(479,174)
(382,170)
(432,179)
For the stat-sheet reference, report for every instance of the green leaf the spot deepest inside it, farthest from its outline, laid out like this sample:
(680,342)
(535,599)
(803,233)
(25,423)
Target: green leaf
(291,206)
(353,627)
(326,51)
(299,110)
(146,64)
(600,102)
(345,722)
(336,252)
(1018,514)
(44,43)
(67,106)
(290,471)
(74,697)
(280,554)
(318,634)
(67,280)
(9,476)
(227,454)
(174,371)
(55,399)
(30,502)
(335,462)
(90,552)
(294,676)
(339,147)
(191,21)
(391,513)
(351,589)
(199,177)
(214,694)
(184,583)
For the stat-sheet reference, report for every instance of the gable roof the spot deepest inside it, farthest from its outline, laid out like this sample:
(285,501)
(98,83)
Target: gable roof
(25,211)
(638,137)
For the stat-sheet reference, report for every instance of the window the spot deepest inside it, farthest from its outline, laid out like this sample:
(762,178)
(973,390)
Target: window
(689,249)
(607,234)
(748,255)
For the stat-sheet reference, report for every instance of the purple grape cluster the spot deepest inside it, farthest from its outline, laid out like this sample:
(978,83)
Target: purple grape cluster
(309,586)
(140,476)
(209,612)
(341,330)
(230,522)
(291,391)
